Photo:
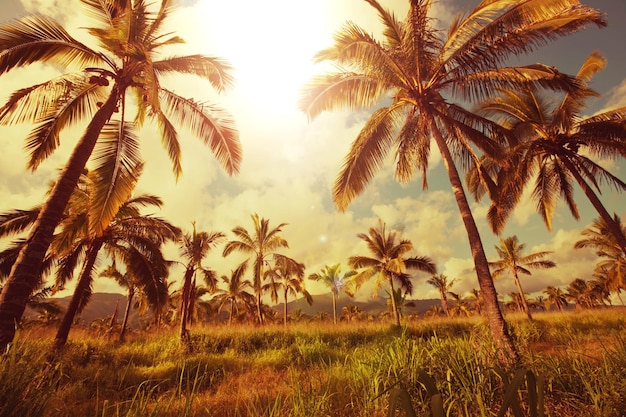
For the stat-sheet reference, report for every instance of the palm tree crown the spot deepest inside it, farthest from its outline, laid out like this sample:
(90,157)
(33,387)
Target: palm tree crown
(388,262)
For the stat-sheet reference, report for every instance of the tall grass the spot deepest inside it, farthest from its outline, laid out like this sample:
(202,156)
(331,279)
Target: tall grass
(325,370)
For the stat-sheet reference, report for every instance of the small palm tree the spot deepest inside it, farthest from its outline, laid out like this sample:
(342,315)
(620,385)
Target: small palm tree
(441,283)
(100,85)
(261,244)
(388,263)
(556,297)
(331,276)
(511,260)
(287,276)
(194,248)
(235,294)
(613,260)
(581,294)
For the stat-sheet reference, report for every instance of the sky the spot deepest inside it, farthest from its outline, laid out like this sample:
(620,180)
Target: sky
(289,162)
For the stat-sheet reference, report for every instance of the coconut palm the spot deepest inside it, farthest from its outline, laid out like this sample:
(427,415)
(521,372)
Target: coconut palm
(154,291)
(557,146)
(235,293)
(556,297)
(261,244)
(128,64)
(132,237)
(331,276)
(287,276)
(441,283)
(511,260)
(194,247)
(418,78)
(581,294)
(613,260)
(388,263)
(477,300)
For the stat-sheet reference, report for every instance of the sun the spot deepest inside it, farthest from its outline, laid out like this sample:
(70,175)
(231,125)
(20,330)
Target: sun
(270,44)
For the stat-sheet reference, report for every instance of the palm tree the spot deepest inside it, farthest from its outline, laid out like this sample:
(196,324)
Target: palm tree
(153,290)
(477,300)
(287,275)
(235,293)
(556,297)
(557,144)
(441,283)
(331,276)
(613,263)
(511,260)
(194,248)
(419,77)
(134,238)
(581,294)
(388,263)
(128,64)
(261,244)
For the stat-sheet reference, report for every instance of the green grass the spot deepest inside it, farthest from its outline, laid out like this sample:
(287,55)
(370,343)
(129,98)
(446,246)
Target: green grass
(314,369)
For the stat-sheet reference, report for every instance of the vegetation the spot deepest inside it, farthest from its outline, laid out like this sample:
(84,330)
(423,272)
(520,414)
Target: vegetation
(419,81)
(128,65)
(321,369)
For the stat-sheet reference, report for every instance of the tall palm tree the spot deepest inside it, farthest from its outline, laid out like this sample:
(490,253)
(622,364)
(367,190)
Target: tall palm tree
(194,248)
(613,260)
(235,293)
(556,144)
(287,276)
(388,263)
(128,64)
(331,276)
(511,260)
(261,244)
(556,297)
(417,77)
(580,293)
(441,283)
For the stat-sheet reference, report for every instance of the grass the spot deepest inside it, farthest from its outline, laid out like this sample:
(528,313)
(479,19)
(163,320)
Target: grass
(316,369)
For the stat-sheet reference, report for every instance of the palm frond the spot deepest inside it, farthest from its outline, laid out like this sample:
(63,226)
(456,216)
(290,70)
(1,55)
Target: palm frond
(367,154)
(340,91)
(116,172)
(41,39)
(17,221)
(209,123)
(216,70)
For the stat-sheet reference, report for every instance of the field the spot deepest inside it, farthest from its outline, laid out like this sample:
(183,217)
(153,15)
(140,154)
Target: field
(317,369)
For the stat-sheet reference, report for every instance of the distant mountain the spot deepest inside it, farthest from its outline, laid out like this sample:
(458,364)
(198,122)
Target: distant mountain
(103,305)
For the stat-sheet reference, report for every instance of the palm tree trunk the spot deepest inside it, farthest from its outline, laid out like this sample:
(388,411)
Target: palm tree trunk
(131,294)
(614,227)
(184,305)
(26,272)
(334,307)
(232,309)
(507,351)
(396,315)
(523,301)
(285,308)
(444,303)
(83,284)
(259,311)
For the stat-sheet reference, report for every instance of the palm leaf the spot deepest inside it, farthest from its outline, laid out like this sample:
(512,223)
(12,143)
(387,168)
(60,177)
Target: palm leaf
(209,123)
(214,69)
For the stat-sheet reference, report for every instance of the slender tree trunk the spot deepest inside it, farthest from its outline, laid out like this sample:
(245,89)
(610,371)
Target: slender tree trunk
(444,303)
(334,307)
(285,308)
(82,286)
(523,300)
(259,310)
(184,305)
(114,318)
(131,294)
(396,315)
(614,227)
(507,351)
(26,272)
(232,308)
